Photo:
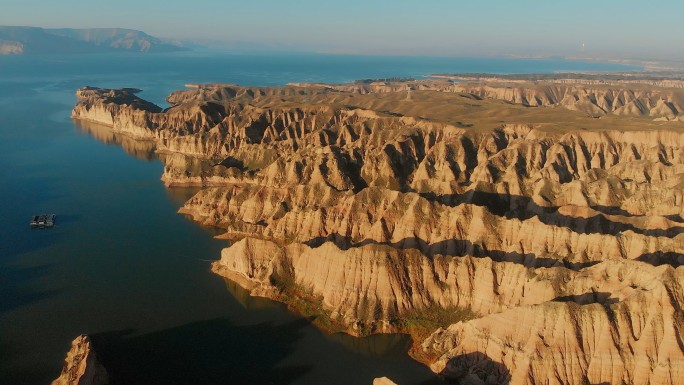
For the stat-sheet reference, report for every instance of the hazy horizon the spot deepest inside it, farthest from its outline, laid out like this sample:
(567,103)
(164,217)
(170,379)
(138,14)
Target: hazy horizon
(607,29)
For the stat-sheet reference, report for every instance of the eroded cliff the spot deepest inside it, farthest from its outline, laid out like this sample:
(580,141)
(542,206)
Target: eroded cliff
(457,213)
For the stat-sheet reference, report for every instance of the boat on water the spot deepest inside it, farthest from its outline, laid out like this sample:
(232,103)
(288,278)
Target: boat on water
(43,221)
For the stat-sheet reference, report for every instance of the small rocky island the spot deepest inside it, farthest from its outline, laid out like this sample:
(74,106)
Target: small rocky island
(522,232)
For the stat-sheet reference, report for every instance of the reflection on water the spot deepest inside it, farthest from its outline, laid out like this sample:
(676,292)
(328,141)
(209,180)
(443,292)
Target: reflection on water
(195,353)
(140,149)
(144,150)
(179,195)
(248,301)
(379,345)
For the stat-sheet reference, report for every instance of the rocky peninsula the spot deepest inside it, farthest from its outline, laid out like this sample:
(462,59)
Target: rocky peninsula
(525,232)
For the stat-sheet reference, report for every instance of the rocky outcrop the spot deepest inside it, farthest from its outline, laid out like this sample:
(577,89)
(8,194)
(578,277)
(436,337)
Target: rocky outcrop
(81,366)
(595,101)
(453,216)
(372,286)
(11,47)
(120,109)
(383,381)
(636,339)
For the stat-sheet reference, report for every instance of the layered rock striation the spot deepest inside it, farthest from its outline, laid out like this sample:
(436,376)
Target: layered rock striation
(457,215)
(660,104)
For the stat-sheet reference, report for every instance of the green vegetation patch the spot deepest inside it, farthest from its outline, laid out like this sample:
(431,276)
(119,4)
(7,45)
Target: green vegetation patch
(304,302)
(420,323)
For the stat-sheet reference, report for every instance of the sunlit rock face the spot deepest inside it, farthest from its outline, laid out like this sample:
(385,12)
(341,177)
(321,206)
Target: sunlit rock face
(527,235)
(81,365)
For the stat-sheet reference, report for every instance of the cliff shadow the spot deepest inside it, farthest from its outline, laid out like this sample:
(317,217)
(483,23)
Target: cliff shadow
(600,297)
(675,218)
(663,258)
(475,368)
(232,162)
(26,240)
(456,248)
(612,210)
(11,373)
(207,352)
(524,208)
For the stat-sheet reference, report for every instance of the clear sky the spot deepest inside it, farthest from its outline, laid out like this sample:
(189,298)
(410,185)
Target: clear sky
(617,28)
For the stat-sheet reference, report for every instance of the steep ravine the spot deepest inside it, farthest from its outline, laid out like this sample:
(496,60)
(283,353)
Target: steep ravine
(453,216)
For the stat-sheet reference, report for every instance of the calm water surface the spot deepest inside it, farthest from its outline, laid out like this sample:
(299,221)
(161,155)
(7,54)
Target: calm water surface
(123,266)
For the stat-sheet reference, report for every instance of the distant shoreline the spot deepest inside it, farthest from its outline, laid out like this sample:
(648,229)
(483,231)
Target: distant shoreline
(665,78)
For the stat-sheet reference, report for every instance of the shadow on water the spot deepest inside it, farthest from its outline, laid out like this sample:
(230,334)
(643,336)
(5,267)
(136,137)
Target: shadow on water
(64,219)
(379,345)
(20,375)
(15,290)
(378,349)
(26,240)
(206,352)
(10,374)
(246,300)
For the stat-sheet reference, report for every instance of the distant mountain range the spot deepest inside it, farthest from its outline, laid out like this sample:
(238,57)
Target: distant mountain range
(34,40)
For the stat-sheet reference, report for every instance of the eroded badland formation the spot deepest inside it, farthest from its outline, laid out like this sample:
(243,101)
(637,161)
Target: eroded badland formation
(523,233)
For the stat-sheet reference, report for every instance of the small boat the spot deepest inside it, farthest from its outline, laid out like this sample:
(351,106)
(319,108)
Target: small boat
(43,221)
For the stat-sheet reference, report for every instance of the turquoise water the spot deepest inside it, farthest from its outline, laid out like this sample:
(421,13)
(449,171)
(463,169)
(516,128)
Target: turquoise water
(122,265)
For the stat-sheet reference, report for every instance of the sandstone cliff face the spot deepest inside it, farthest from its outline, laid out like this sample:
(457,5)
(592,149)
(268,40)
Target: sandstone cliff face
(380,211)
(373,283)
(81,366)
(658,99)
(595,101)
(635,340)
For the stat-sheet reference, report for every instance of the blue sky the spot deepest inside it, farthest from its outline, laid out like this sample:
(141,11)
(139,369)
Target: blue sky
(617,28)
